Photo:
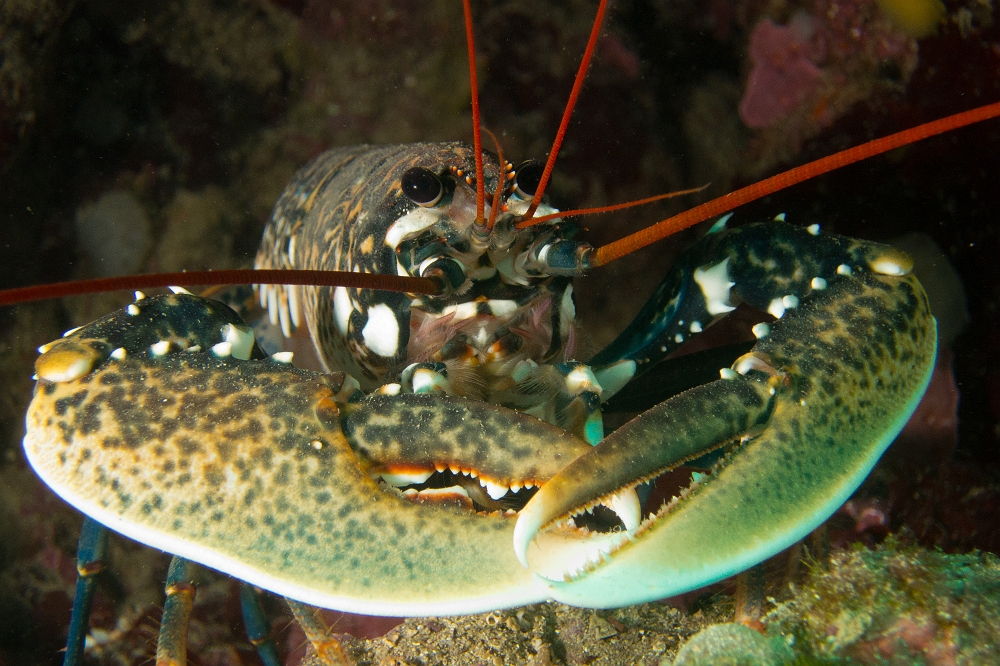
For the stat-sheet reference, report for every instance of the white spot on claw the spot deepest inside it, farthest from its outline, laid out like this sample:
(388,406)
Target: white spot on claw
(887,267)
(118,354)
(160,348)
(818,283)
(223,349)
(696,327)
(761,330)
(715,285)
(776,308)
(727,373)
(844,269)
(813,229)
(679,338)
(132,310)
(282,357)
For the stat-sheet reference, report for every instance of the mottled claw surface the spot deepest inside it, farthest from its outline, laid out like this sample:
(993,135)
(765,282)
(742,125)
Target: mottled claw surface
(258,469)
(805,416)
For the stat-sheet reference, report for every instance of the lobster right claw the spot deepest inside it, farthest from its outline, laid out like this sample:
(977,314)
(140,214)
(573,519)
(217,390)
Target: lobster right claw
(149,422)
(801,420)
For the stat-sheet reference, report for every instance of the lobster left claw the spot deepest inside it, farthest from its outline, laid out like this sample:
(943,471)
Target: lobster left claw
(805,415)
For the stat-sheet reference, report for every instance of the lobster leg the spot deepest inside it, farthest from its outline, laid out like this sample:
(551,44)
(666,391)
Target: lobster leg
(90,554)
(257,625)
(171,646)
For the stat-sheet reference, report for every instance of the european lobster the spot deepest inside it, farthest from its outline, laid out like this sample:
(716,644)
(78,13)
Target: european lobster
(905,301)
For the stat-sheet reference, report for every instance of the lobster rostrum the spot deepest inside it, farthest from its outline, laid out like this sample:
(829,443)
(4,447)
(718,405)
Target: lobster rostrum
(166,422)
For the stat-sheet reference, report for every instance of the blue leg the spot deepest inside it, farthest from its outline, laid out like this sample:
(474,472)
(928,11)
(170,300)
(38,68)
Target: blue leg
(171,646)
(257,625)
(90,554)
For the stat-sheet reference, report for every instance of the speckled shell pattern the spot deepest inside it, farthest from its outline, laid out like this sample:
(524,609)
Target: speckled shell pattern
(334,216)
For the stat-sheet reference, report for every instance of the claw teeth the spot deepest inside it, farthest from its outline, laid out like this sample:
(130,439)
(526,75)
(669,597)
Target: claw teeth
(494,490)
(626,505)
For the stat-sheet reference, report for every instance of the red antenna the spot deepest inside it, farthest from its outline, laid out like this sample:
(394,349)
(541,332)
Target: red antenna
(728,202)
(413,285)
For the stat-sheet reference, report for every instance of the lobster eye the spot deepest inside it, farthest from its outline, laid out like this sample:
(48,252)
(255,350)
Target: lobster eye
(527,177)
(422,186)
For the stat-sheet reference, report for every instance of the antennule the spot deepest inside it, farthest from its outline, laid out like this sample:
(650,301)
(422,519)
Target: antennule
(477,139)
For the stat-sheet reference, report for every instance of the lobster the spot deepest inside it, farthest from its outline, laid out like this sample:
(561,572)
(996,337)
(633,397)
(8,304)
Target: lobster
(866,281)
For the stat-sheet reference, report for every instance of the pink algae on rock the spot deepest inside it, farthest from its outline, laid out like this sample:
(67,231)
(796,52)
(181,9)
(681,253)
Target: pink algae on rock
(809,64)
(783,74)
